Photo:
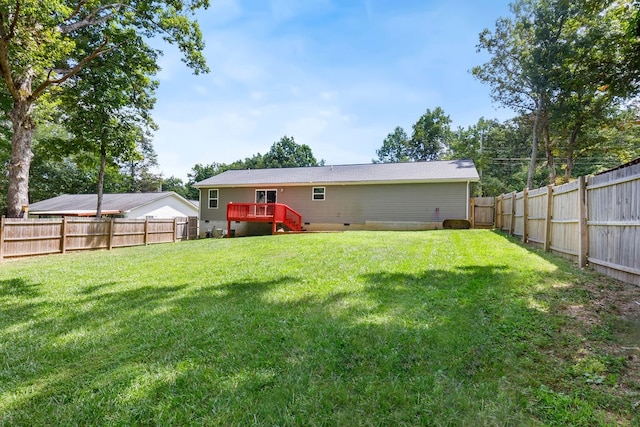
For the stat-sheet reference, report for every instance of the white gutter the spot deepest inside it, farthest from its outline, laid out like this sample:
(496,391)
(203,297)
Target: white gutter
(328,183)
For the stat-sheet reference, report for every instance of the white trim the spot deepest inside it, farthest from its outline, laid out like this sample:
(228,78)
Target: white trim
(329,183)
(266,191)
(313,194)
(209,198)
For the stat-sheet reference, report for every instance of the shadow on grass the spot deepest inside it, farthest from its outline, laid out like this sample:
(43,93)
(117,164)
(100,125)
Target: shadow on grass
(438,347)
(18,288)
(18,301)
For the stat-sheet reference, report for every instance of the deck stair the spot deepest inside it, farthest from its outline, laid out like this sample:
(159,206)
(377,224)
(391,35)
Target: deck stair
(274,213)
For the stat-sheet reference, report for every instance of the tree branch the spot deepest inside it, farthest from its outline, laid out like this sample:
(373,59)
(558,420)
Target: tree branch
(77,10)
(12,26)
(14,21)
(93,18)
(73,71)
(5,70)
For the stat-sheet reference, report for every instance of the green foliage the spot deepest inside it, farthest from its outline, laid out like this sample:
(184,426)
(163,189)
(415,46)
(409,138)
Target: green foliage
(395,147)
(569,63)
(46,44)
(501,151)
(287,154)
(429,141)
(177,186)
(431,134)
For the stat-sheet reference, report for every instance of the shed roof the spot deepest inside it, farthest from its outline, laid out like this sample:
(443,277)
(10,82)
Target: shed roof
(85,204)
(372,173)
(622,166)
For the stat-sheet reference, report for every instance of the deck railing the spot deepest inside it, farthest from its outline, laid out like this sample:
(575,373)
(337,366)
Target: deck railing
(276,213)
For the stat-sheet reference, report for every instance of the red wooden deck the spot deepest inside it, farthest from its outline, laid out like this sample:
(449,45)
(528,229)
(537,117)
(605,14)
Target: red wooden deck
(275,213)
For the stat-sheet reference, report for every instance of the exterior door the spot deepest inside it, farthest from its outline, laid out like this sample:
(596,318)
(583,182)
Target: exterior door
(265,196)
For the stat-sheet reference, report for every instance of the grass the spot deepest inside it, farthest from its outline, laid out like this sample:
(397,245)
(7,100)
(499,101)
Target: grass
(361,328)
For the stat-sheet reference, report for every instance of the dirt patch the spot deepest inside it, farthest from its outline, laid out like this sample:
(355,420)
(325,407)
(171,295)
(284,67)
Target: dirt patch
(609,320)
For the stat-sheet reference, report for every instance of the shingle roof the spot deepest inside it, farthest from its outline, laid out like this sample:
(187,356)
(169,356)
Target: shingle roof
(86,203)
(437,171)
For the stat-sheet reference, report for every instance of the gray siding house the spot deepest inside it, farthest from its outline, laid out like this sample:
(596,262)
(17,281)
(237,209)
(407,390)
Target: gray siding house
(382,196)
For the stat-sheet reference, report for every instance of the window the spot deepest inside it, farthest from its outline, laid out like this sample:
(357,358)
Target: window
(213,199)
(318,193)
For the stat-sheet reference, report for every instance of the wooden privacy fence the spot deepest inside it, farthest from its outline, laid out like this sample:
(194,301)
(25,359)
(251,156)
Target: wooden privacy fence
(29,237)
(594,220)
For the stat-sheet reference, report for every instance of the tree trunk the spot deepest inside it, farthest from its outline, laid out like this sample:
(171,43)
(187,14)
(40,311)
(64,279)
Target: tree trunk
(21,155)
(534,145)
(548,148)
(570,152)
(103,166)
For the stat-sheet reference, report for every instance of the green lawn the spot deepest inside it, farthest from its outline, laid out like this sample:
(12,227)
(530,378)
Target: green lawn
(359,328)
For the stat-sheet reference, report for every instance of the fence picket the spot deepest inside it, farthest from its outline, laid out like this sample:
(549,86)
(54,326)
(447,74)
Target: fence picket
(29,237)
(593,220)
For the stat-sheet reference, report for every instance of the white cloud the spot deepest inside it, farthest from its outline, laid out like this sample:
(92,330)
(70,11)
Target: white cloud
(338,84)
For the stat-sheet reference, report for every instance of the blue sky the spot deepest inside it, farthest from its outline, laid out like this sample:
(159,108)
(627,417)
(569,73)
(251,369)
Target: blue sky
(337,75)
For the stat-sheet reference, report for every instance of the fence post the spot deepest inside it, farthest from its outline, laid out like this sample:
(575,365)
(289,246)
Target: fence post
(175,228)
(2,230)
(111,227)
(146,231)
(472,202)
(63,235)
(525,217)
(497,211)
(547,218)
(583,231)
(512,226)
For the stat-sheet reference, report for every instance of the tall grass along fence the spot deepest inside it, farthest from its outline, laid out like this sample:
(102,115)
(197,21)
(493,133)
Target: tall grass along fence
(594,220)
(30,237)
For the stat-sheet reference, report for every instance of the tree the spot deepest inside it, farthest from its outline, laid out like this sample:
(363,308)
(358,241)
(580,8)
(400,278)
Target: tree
(42,45)
(515,74)
(106,107)
(563,63)
(199,173)
(137,168)
(5,157)
(431,134)
(176,185)
(287,154)
(499,151)
(254,162)
(395,148)
(283,154)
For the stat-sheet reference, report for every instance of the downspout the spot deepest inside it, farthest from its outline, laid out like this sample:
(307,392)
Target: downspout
(468,199)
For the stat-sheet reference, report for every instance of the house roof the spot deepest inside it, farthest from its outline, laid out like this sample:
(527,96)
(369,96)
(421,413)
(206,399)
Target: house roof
(372,173)
(85,204)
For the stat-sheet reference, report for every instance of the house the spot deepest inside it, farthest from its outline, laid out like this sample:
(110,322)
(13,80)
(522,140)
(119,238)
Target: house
(382,196)
(124,205)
